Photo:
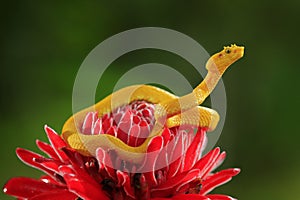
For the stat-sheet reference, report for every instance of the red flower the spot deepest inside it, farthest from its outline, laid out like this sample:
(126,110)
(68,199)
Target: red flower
(70,175)
(145,148)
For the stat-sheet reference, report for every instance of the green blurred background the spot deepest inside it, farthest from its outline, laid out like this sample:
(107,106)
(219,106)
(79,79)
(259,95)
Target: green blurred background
(44,43)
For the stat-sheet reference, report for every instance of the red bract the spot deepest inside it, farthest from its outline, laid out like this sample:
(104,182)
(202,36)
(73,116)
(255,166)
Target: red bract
(131,123)
(70,175)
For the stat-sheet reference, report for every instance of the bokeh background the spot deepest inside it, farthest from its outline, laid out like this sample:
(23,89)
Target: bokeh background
(44,43)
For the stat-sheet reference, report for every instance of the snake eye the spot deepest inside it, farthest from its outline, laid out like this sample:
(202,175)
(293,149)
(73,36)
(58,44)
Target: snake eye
(227,51)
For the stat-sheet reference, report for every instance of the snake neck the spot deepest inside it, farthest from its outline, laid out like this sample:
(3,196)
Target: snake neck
(191,100)
(203,90)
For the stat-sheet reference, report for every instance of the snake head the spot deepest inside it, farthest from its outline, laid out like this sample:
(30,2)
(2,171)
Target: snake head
(219,62)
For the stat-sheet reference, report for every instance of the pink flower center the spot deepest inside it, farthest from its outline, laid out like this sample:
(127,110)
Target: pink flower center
(130,123)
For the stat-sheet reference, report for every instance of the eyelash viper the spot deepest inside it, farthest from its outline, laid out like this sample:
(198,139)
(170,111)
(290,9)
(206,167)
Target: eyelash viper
(170,110)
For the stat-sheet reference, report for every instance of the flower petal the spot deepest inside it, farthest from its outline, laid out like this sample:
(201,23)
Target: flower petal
(125,183)
(153,150)
(85,190)
(30,158)
(105,163)
(73,157)
(50,180)
(219,197)
(219,160)
(66,195)
(206,163)
(24,187)
(194,150)
(57,143)
(190,197)
(46,148)
(218,179)
(214,164)
(168,188)
(175,153)
(184,197)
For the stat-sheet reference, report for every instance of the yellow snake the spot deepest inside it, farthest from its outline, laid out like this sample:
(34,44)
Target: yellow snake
(170,110)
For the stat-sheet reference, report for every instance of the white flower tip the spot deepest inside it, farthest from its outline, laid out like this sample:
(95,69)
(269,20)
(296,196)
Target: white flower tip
(237,170)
